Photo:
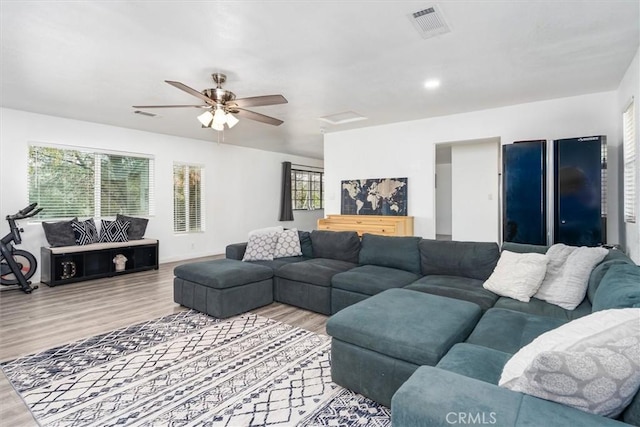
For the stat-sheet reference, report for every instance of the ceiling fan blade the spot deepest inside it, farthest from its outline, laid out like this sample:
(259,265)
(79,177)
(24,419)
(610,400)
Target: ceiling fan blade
(257,101)
(257,117)
(171,106)
(191,91)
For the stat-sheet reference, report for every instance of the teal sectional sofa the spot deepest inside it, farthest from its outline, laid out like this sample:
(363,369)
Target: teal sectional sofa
(458,374)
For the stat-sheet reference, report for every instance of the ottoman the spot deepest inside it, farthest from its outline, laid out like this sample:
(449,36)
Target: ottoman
(378,343)
(223,287)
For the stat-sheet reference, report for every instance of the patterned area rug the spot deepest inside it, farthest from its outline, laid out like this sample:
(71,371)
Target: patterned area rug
(189,369)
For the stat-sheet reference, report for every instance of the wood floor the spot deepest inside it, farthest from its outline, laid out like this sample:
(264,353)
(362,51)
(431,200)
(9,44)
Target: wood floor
(49,317)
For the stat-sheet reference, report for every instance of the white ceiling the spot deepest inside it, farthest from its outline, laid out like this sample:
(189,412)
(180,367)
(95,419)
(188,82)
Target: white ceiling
(93,60)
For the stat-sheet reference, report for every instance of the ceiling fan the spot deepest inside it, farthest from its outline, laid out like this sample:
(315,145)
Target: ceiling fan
(221,105)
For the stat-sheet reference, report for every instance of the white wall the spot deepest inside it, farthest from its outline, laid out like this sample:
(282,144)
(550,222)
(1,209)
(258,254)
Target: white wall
(406,149)
(630,88)
(443,199)
(242,185)
(474,187)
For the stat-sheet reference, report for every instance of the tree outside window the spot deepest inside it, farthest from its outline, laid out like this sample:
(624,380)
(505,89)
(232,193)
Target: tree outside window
(307,189)
(188,198)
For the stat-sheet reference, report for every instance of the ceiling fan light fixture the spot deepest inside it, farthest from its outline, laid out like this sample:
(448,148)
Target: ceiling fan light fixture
(217,126)
(231,120)
(219,117)
(206,118)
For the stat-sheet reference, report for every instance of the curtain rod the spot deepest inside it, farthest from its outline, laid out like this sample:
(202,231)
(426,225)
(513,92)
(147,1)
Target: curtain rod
(308,166)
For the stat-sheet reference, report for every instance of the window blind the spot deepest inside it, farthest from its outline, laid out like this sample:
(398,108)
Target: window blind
(70,182)
(188,203)
(629,148)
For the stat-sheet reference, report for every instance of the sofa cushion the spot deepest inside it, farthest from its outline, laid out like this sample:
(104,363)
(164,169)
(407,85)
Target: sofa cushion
(450,258)
(614,257)
(391,251)
(620,288)
(543,308)
(372,279)
(223,273)
(568,274)
(474,361)
(305,244)
(317,271)
(338,245)
(457,287)
(517,276)
(508,330)
(523,248)
(275,264)
(406,325)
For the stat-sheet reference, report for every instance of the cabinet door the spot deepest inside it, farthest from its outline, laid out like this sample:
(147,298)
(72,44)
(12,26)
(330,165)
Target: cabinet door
(578,164)
(525,192)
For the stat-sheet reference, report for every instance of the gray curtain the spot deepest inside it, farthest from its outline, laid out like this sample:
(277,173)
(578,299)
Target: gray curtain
(286,207)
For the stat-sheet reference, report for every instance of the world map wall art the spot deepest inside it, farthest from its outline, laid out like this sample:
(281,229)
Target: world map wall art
(381,196)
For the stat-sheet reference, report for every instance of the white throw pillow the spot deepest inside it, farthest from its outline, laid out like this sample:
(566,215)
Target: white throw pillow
(288,244)
(517,276)
(261,247)
(594,329)
(568,274)
(592,363)
(266,230)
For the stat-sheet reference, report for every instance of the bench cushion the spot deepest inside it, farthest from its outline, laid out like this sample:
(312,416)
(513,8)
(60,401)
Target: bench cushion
(462,288)
(223,273)
(407,325)
(100,246)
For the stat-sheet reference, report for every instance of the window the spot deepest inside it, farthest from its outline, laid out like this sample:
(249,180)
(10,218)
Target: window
(188,198)
(307,189)
(629,153)
(69,182)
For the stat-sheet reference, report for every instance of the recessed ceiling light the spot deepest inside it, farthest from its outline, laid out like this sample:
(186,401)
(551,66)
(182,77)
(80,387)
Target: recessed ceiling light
(432,84)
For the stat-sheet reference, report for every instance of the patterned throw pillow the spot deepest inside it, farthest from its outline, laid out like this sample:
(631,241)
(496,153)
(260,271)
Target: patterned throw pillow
(114,231)
(261,247)
(85,232)
(600,380)
(288,244)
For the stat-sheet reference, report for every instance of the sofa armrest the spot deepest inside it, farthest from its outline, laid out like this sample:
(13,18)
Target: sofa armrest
(436,397)
(236,250)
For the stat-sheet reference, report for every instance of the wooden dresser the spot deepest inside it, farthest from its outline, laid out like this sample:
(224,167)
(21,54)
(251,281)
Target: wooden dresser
(373,224)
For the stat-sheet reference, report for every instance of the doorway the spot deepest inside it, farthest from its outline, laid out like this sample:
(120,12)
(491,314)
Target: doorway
(467,196)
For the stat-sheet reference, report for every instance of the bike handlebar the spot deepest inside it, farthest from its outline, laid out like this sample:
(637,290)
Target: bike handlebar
(27,212)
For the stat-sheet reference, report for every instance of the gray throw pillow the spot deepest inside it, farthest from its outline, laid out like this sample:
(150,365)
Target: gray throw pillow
(600,380)
(137,228)
(60,233)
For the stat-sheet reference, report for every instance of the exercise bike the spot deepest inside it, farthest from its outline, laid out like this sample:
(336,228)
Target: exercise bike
(17,266)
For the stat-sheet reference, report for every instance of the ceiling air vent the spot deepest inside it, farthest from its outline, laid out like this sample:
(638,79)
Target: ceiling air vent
(342,118)
(144,113)
(429,22)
